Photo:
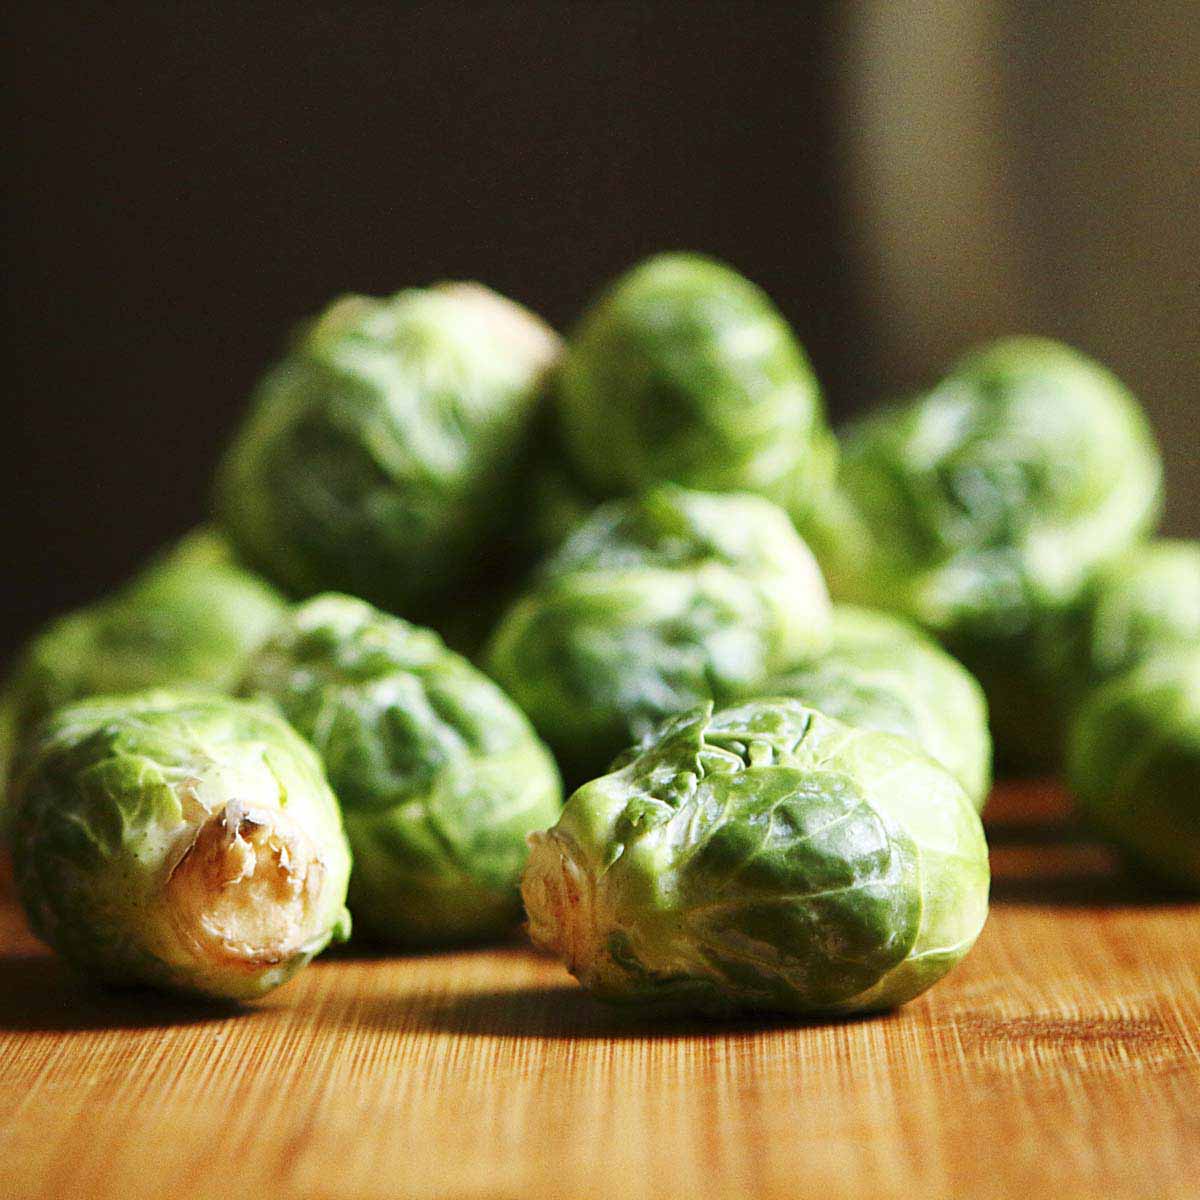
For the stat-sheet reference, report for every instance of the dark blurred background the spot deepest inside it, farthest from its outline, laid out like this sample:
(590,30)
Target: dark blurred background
(187,180)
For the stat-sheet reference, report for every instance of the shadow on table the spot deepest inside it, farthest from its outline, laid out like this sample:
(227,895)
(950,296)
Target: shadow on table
(1074,871)
(1042,854)
(366,949)
(1119,888)
(561,1013)
(39,994)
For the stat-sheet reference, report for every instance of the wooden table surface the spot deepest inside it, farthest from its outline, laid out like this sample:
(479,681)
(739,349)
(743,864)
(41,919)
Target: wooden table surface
(1062,1059)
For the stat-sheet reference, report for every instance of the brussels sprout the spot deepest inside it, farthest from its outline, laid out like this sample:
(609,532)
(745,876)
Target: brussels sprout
(182,840)
(380,455)
(1144,603)
(439,774)
(1134,764)
(883,673)
(652,606)
(982,511)
(683,371)
(765,857)
(191,617)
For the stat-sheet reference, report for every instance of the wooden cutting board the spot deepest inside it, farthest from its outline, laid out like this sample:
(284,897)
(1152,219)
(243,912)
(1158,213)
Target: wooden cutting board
(1061,1060)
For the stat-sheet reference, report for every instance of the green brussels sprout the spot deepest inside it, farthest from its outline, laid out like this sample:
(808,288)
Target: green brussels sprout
(1144,603)
(191,617)
(983,509)
(766,857)
(439,774)
(1133,762)
(883,673)
(683,371)
(381,453)
(652,606)
(183,840)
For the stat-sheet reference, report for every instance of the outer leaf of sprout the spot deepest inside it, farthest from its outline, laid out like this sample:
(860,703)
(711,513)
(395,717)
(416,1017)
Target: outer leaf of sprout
(883,673)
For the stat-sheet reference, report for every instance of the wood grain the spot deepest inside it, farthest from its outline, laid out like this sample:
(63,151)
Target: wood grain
(1061,1060)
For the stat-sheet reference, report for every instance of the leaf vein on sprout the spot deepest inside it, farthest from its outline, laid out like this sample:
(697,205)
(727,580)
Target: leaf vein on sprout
(788,898)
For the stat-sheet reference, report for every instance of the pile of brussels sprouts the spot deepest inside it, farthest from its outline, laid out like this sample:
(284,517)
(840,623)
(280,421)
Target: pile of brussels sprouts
(631,540)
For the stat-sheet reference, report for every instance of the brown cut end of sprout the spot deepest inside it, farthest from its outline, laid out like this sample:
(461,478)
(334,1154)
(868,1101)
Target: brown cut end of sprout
(246,891)
(560,902)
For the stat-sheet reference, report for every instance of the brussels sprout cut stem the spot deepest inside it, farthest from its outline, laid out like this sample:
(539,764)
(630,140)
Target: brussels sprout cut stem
(184,841)
(245,891)
(762,858)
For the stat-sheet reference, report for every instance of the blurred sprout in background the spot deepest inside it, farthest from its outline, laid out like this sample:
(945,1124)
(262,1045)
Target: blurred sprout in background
(651,606)
(189,618)
(381,455)
(685,372)
(983,508)
(1134,764)
(1146,602)
(883,673)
